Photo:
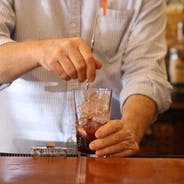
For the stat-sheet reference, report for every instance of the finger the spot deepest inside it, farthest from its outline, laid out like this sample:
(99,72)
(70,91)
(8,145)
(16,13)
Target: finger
(68,67)
(118,148)
(121,136)
(91,63)
(58,69)
(63,75)
(98,64)
(109,128)
(79,64)
(124,153)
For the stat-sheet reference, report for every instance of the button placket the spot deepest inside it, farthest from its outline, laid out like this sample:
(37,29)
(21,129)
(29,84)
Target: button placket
(75,18)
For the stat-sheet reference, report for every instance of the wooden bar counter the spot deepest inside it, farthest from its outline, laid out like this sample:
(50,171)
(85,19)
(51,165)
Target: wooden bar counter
(71,170)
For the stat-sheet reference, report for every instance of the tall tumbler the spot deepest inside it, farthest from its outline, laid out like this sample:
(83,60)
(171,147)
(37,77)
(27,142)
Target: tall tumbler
(93,107)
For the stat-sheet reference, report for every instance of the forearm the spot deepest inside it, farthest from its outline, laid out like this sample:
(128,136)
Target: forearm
(68,58)
(15,60)
(138,113)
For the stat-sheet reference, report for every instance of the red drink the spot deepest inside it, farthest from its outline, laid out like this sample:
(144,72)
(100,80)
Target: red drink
(86,134)
(92,107)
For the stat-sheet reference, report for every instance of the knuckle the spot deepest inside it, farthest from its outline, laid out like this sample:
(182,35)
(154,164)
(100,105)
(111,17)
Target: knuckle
(64,77)
(68,45)
(117,137)
(81,68)
(118,125)
(51,63)
(58,51)
(89,59)
(81,79)
(73,73)
(125,145)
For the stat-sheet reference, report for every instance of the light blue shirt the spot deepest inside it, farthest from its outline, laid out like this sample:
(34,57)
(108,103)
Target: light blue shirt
(129,40)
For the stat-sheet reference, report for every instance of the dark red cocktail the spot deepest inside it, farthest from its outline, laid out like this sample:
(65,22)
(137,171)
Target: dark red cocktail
(86,134)
(92,107)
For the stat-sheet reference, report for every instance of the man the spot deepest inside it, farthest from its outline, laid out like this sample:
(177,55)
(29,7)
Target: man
(45,52)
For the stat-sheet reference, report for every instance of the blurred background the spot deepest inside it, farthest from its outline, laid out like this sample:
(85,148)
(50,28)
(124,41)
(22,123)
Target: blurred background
(166,135)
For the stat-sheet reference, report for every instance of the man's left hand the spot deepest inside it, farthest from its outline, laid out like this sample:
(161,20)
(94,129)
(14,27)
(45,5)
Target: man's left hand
(114,139)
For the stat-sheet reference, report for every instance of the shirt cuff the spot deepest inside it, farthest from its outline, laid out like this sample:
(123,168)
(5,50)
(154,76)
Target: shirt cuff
(161,97)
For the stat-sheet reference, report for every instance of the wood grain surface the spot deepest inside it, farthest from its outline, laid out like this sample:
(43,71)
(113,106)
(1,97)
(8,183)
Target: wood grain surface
(70,170)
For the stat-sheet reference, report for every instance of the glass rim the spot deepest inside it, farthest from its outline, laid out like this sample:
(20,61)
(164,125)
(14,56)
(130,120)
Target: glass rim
(93,88)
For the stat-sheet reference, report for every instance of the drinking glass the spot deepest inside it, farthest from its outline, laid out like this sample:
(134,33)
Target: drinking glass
(92,107)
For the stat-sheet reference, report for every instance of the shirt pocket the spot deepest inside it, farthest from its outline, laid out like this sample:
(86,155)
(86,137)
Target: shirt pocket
(110,30)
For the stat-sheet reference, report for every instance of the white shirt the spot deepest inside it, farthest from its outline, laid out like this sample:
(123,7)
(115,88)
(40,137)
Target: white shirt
(129,40)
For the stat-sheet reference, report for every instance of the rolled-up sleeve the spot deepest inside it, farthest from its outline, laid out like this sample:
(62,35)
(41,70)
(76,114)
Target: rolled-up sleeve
(144,69)
(7,21)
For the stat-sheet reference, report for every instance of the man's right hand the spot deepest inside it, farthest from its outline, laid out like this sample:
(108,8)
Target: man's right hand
(69,58)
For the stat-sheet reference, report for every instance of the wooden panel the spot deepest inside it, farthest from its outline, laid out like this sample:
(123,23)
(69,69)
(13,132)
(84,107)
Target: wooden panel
(167,133)
(81,170)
